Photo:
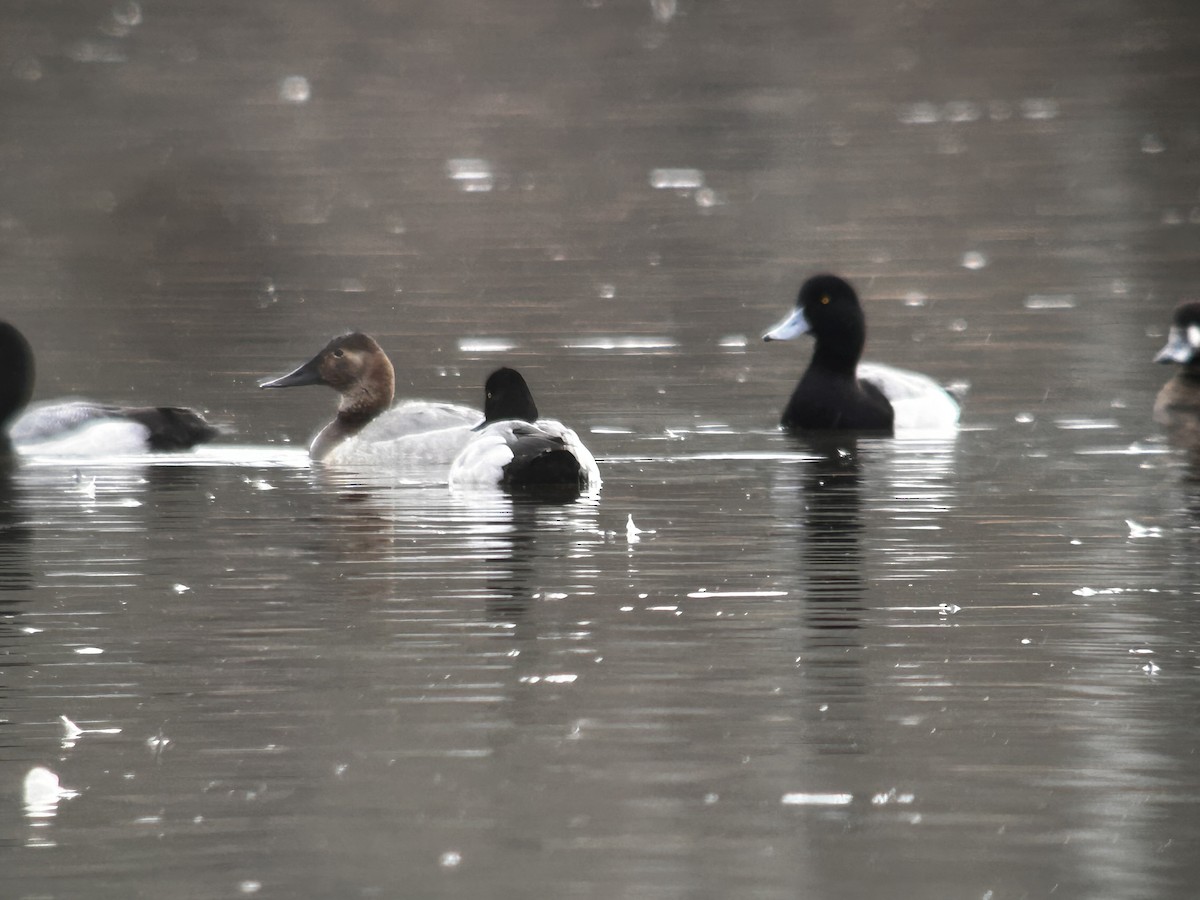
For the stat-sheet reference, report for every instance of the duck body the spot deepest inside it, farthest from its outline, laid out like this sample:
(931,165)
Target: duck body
(836,391)
(84,427)
(367,429)
(88,428)
(514,448)
(419,432)
(1177,406)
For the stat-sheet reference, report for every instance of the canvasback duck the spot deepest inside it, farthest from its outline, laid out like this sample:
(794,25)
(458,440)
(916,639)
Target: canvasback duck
(367,429)
(85,427)
(1177,406)
(515,448)
(836,391)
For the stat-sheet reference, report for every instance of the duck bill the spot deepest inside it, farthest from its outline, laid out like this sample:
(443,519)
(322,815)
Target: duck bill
(309,373)
(1181,346)
(790,328)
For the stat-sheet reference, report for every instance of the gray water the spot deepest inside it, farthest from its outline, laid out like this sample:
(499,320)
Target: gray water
(936,668)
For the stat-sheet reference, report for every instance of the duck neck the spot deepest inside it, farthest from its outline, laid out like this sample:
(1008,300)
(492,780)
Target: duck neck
(841,360)
(348,423)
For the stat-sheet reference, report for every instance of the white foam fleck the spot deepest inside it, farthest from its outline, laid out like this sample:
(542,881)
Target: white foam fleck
(472,175)
(622,343)
(1050,301)
(676,179)
(1137,530)
(923,113)
(295,89)
(1039,108)
(974,260)
(697,595)
(732,341)
(798,798)
(88,651)
(485,345)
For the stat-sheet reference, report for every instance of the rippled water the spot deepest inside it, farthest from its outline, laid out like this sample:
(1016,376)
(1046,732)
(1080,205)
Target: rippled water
(752,665)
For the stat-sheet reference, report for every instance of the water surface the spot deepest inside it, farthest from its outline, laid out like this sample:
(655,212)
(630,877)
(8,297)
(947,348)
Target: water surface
(932,667)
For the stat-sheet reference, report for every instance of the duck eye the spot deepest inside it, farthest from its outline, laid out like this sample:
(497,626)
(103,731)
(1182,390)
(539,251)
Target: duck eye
(339,353)
(824,301)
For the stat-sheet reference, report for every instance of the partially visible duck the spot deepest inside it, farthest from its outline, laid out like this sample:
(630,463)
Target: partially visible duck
(85,427)
(368,430)
(1177,405)
(836,391)
(515,448)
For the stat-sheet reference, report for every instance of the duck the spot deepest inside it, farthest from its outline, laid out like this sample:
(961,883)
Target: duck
(1177,406)
(515,448)
(837,391)
(368,429)
(78,427)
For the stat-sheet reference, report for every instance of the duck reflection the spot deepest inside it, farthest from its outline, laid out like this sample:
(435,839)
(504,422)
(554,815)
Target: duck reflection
(834,589)
(16,538)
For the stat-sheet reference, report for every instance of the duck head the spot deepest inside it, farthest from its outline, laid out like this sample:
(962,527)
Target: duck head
(16,372)
(828,309)
(507,396)
(1183,340)
(356,367)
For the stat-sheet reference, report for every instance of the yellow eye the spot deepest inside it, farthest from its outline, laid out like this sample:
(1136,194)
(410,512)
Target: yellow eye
(824,301)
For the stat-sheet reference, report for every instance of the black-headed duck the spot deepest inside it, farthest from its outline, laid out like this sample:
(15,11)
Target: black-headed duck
(837,392)
(85,427)
(1177,406)
(515,448)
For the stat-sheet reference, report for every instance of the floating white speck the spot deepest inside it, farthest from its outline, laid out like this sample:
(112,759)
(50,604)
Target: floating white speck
(450,859)
(607,291)
(1050,301)
(249,887)
(1151,669)
(1024,418)
(961,111)
(1142,531)
(485,345)
(1152,143)
(1086,424)
(892,796)
(622,343)
(676,179)
(733,341)
(664,10)
(295,89)
(180,588)
(701,595)
(1039,108)
(42,791)
(88,651)
(632,532)
(157,742)
(974,260)
(918,113)
(72,732)
(915,298)
(472,175)
(804,799)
